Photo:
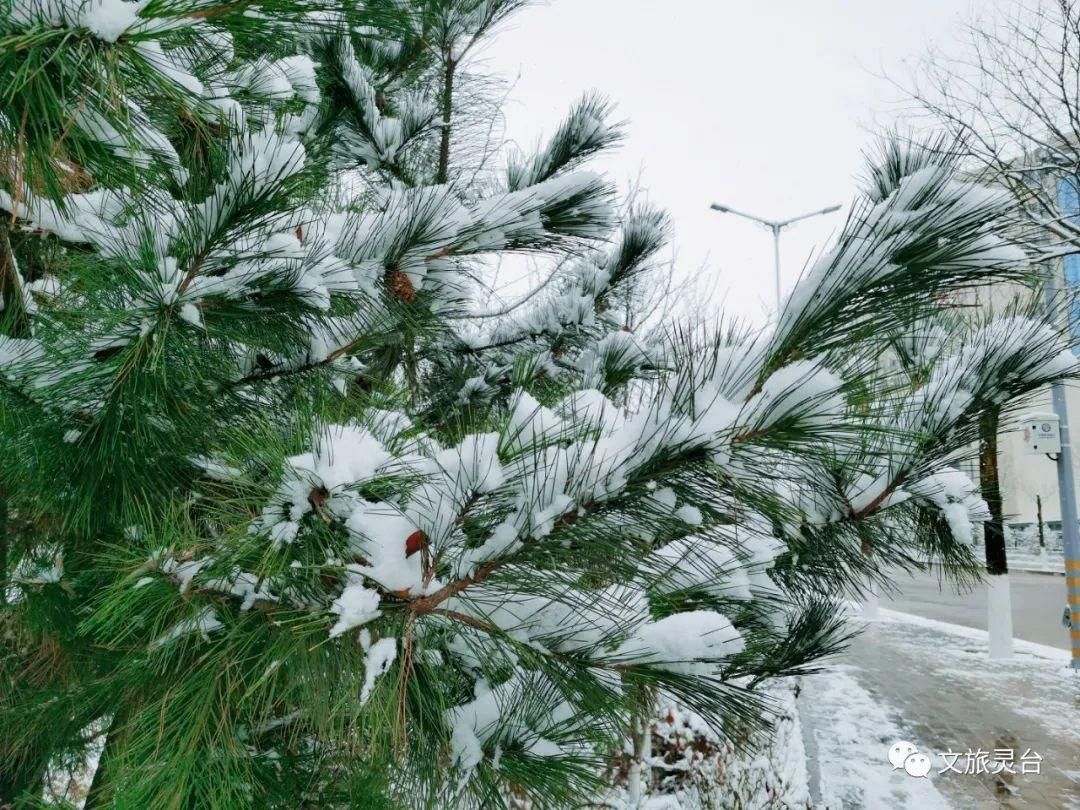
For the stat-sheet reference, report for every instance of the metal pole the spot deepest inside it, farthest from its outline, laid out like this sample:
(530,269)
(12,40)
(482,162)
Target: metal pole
(1069,530)
(776,261)
(1066,487)
(775,227)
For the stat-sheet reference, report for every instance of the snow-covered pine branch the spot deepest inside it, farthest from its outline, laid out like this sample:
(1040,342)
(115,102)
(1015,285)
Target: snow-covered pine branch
(588,129)
(922,233)
(290,529)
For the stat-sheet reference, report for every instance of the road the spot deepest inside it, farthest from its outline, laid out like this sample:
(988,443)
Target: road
(1037,604)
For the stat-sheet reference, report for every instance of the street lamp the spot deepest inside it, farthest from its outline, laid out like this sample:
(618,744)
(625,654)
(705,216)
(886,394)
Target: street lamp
(775,227)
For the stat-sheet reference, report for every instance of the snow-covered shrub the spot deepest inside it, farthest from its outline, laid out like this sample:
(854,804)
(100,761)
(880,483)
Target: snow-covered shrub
(1025,539)
(693,766)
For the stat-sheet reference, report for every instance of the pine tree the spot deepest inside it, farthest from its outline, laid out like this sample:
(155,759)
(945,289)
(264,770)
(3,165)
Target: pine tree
(294,516)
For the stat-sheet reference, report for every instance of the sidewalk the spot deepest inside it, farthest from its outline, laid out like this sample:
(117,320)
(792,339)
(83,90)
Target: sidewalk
(929,683)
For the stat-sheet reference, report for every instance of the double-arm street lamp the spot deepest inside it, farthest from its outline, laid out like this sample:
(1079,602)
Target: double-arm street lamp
(775,227)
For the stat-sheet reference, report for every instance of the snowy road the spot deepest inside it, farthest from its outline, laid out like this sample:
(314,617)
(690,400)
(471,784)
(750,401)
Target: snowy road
(930,684)
(1037,603)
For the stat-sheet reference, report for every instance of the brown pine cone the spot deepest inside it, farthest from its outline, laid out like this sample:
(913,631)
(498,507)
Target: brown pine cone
(400,286)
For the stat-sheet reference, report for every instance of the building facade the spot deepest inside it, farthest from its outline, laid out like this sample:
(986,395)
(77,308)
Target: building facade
(1028,480)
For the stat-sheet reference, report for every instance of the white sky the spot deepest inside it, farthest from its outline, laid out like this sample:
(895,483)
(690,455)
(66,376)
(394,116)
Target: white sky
(760,104)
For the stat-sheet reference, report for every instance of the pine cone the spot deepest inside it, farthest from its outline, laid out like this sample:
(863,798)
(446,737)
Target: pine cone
(400,286)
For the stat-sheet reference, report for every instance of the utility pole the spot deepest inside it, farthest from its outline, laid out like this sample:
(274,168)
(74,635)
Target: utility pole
(1070,532)
(776,227)
(1069,529)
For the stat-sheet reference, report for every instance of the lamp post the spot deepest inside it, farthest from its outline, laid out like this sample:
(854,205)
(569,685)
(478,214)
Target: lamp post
(775,227)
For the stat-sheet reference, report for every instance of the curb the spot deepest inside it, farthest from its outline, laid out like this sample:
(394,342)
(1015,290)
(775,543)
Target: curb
(813,763)
(1032,648)
(1021,569)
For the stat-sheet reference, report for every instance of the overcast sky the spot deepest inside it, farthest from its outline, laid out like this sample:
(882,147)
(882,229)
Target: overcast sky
(760,104)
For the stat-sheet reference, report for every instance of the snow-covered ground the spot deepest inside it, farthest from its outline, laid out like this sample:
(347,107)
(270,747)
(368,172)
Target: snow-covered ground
(853,732)
(929,683)
(987,734)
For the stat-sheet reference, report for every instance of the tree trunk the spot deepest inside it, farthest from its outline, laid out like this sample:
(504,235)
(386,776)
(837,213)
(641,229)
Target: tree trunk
(1039,517)
(993,529)
(998,602)
(637,782)
(447,112)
